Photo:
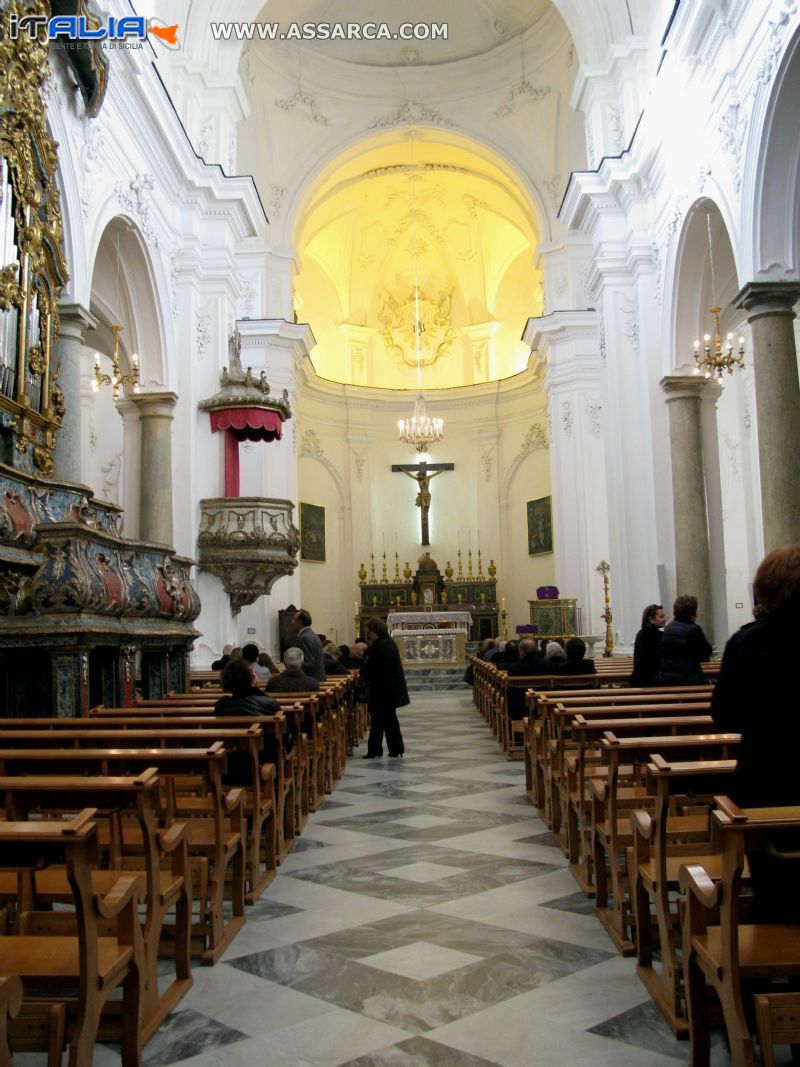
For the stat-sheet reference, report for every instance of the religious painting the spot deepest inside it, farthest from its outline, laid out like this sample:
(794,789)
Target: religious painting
(540,526)
(312,533)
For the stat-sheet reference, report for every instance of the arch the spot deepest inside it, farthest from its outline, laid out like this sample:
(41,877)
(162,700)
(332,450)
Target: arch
(689,291)
(771,181)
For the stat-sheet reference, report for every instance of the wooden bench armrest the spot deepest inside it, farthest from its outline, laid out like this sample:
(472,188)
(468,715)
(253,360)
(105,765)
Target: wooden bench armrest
(643,824)
(267,772)
(233,800)
(11,993)
(79,821)
(169,840)
(695,880)
(126,888)
(598,787)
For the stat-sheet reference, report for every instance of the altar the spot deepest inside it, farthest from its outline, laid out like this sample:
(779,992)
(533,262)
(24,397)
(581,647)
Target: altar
(430,638)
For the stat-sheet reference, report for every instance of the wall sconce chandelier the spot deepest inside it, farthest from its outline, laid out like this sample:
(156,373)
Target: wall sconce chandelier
(116,378)
(713,361)
(421,430)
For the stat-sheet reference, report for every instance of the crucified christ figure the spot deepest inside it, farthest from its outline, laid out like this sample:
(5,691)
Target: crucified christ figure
(422,474)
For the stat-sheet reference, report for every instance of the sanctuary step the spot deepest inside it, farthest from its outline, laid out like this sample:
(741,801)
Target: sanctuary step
(435,679)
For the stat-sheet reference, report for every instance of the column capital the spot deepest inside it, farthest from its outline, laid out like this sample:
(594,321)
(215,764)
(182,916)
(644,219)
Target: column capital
(154,405)
(74,320)
(767,298)
(689,387)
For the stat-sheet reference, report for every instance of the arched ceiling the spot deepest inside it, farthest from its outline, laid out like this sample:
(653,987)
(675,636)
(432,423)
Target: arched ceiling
(417,233)
(472,29)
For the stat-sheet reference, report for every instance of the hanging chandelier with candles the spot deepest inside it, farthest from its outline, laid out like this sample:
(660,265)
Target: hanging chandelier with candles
(421,430)
(116,379)
(712,358)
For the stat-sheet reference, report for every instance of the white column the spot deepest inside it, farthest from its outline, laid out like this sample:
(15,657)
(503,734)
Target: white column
(155,488)
(75,320)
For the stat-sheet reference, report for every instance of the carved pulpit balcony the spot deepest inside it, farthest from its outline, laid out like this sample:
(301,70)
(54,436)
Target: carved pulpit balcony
(247,542)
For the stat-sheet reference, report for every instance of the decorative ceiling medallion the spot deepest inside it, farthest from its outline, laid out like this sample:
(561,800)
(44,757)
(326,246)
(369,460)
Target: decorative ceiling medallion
(418,318)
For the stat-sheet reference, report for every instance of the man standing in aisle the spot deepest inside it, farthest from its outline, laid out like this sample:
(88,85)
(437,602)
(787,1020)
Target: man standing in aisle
(383,674)
(310,645)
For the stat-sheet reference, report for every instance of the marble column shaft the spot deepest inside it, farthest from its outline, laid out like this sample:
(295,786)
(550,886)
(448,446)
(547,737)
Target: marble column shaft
(75,320)
(769,312)
(692,549)
(155,489)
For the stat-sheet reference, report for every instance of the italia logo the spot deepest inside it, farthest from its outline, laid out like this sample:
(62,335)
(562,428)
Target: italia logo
(80,28)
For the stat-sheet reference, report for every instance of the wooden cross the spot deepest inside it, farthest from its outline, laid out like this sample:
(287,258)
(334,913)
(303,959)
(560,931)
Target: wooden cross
(421,473)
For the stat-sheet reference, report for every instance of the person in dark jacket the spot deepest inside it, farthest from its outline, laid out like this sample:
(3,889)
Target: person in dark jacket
(353,657)
(757,672)
(293,678)
(330,657)
(508,655)
(528,662)
(575,663)
(383,673)
(684,646)
(647,647)
(310,645)
(245,699)
(218,664)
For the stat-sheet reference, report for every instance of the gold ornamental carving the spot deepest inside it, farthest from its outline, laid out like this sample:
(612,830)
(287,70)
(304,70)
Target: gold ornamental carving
(417,318)
(31,226)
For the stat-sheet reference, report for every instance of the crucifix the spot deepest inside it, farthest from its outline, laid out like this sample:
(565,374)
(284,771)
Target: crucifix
(422,474)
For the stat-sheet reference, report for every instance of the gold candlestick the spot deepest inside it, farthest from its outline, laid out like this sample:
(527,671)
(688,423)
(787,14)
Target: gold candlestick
(396,567)
(384,576)
(469,565)
(460,574)
(505,627)
(603,568)
(480,567)
(372,577)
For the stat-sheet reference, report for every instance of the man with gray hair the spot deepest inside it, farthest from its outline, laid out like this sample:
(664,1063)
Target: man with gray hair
(293,678)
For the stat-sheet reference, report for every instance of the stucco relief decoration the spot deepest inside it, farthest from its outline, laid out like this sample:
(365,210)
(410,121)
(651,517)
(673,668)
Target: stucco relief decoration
(561,286)
(247,295)
(676,218)
(566,417)
(590,147)
(487,461)
(615,129)
(522,91)
(111,474)
(311,446)
(409,112)
(359,462)
(553,186)
(777,28)
(594,410)
(202,333)
(173,285)
(702,176)
(276,195)
(417,312)
(732,127)
(602,340)
(90,160)
(204,139)
(631,331)
(747,419)
(535,439)
(306,103)
(655,259)
(135,199)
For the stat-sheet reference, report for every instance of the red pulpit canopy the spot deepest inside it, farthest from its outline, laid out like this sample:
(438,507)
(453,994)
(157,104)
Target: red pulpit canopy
(248,424)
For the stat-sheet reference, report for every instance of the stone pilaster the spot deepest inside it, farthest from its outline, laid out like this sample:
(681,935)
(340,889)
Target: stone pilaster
(155,489)
(75,320)
(769,312)
(692,546)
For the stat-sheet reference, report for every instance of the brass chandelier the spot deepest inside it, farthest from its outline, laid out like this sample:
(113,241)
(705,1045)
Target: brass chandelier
(421,430)
(712,360)
(116,378)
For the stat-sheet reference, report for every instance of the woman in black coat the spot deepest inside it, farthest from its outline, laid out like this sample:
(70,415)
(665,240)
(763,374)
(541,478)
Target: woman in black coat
(684,646)
(383,674)
(753,696)
(647,647)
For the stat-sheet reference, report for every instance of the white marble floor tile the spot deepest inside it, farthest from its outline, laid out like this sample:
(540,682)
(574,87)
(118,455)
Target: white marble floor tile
(338,1037)
(421,872)
(420,960)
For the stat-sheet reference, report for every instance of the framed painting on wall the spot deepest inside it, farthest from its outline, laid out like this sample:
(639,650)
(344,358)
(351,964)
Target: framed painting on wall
(312,533)
(540,527)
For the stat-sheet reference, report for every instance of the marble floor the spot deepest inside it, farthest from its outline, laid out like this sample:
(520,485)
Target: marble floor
(424,918)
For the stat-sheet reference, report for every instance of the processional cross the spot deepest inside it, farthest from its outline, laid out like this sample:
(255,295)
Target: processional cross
(422,474)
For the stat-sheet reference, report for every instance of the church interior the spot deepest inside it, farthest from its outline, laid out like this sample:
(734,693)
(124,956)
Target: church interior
(477,318)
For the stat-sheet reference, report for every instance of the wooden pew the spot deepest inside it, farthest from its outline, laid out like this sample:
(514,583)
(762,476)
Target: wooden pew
(217,841)
(10,1003)
(654,869)
(67,949)
(168,892)
(611,818)
(718,948)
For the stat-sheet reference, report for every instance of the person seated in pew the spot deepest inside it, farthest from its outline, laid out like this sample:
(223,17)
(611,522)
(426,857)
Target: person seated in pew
(684,646)
(250,653)
(330,657)
(245,699)
(293,678)
(487,646)
(218,664)
(508,657)
(647,647)
(265,660)
(575,662)
(354,657)
(750,697)
(528,662)
(555,655)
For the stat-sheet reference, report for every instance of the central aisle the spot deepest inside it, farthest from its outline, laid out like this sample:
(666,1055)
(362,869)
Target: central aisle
(423,918)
